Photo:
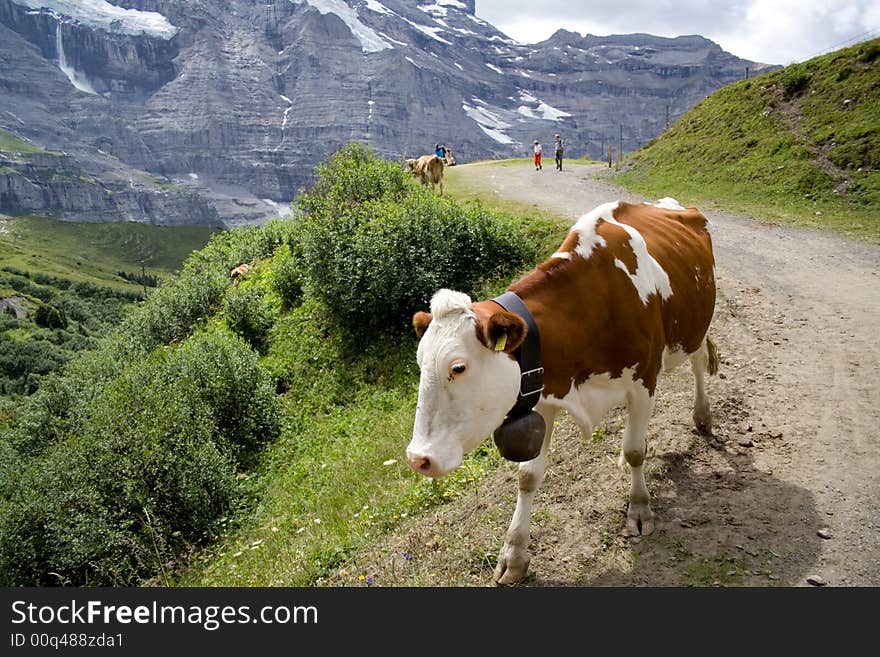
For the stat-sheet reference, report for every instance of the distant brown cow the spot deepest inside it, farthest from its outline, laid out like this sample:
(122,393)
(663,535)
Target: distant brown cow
(239,271)
(428,169)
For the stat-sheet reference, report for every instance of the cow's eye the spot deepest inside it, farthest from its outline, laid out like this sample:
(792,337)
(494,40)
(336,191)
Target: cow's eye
(457,368)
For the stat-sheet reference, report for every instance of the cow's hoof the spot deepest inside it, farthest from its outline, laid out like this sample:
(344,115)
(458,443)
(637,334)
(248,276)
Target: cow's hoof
(639,520)
(511,569)
(704,426)
(703,421)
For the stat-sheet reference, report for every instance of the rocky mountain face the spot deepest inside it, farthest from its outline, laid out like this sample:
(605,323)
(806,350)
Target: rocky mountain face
(215,111)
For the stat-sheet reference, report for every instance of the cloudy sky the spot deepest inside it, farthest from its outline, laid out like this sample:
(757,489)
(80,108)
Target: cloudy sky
(768,31)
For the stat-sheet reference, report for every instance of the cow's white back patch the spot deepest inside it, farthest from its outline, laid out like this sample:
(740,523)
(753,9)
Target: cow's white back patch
(668,203)
(649,277)
(585,227)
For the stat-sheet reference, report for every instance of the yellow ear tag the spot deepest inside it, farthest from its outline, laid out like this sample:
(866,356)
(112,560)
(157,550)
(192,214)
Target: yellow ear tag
(501,342)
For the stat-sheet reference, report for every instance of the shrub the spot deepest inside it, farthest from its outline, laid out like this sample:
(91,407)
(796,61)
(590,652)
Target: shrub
(248,314)
(146,474)
(287,275)
(49,317)
(374,264)
(376,246)
(869,52)
(351,176)
(795,79)
(178,306)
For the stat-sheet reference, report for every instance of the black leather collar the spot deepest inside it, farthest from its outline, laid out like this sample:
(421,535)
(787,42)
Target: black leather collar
(528,355)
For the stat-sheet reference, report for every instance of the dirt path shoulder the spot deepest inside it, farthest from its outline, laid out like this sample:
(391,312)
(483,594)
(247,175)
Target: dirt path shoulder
(786,489)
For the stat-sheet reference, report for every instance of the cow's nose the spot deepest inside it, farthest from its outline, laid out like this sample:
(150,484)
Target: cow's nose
(421,464)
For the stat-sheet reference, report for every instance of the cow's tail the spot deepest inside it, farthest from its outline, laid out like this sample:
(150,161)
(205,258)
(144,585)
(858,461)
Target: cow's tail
(712,351)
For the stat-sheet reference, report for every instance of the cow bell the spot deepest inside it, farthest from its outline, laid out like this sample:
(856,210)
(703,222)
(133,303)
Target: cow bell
(520,438)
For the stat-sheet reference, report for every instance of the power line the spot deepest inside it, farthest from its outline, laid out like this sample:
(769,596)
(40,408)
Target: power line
(864,36)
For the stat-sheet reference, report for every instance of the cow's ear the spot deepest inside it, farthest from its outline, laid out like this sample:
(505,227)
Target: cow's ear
(503,331)
(420,322)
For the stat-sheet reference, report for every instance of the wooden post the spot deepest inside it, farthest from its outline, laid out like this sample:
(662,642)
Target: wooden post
(610,155)
(619,147)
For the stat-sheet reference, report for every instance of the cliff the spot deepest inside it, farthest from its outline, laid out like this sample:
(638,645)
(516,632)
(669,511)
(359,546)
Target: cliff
(218,111)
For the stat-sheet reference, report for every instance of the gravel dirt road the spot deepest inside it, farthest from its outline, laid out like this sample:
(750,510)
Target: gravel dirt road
(785,491)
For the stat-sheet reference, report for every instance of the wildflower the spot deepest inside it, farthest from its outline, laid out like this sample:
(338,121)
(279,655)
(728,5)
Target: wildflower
(407,556)
(370,581)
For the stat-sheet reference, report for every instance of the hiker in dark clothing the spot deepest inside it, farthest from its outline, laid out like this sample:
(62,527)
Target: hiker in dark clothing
(557,140)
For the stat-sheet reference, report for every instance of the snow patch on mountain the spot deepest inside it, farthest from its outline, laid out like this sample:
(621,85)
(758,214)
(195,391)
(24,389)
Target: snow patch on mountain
(489,122)
(369,39)
(103,15)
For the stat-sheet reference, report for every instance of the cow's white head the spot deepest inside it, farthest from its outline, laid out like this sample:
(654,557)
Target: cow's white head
(469,379)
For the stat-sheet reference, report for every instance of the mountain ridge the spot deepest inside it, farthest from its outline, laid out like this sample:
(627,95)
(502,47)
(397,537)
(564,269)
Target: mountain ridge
(215,113)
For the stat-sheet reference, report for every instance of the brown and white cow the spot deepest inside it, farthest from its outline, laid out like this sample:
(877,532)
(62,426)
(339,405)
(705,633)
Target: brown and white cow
(629,293)
(428,169)
(238,272)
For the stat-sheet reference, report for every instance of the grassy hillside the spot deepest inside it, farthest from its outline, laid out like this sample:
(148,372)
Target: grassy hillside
(799,145)
(251,431)
(65,285)
(96,252)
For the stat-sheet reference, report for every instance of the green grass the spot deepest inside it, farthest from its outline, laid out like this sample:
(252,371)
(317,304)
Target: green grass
(714,571)
(786,147)
(543,228)
(336,479)
(95,252)
(9,142)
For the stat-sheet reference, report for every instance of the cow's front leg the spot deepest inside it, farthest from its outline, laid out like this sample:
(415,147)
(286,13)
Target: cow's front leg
(513,562)
(639,405)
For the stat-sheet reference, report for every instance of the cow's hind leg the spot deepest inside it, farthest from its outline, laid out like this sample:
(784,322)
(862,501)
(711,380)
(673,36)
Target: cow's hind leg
(703,361)
(513,561)
(639,406)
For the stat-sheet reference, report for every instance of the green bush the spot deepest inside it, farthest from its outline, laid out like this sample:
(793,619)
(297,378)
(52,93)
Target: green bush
(376,247)
(795,79)
(123,461)
(177,307)
(869,52)
(147,474)
(287,276)
(248,314)
(351,176)
(49,317)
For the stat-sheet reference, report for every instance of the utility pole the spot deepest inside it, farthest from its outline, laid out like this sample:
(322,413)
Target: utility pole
(667,116)
(747,72)
(144,278)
